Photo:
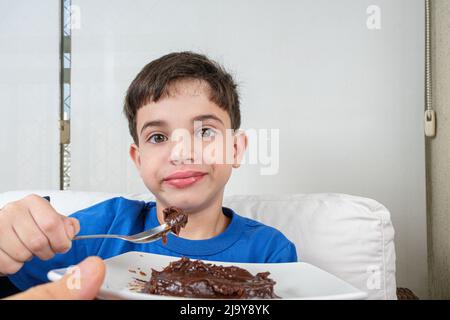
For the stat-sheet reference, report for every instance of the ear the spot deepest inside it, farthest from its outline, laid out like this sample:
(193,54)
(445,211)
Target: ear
(135,156)
(240,145)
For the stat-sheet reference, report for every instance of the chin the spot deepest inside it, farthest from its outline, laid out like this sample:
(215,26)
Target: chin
(186,200)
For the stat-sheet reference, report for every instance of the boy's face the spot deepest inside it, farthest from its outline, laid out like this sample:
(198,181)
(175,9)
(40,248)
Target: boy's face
(186,148)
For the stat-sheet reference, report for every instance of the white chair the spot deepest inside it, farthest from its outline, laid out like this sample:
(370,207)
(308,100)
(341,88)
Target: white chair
(349,236)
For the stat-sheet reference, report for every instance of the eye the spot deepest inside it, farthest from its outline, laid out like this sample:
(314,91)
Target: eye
(207,132)
(157,138)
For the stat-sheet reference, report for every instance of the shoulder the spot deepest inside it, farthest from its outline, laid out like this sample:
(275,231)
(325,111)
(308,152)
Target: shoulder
(273,242)
(255,227)
(111,206)
(111,210)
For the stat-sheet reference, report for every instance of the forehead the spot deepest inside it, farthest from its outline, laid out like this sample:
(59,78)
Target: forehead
(183,101)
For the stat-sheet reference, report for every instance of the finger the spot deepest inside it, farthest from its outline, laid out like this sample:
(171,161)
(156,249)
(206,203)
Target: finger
(7,264)
(11,244)
(50,223)
(92,274)
(76,225)
(72,227)
(32,237)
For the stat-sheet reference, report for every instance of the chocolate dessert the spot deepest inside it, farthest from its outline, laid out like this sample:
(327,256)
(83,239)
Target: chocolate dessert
(196,279)
(176,219)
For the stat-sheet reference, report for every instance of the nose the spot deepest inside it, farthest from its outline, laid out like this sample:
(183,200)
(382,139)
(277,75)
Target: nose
(181,158)
(181,152)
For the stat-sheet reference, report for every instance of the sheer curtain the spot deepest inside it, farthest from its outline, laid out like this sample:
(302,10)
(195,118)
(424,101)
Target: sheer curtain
(342,81)
(29,94)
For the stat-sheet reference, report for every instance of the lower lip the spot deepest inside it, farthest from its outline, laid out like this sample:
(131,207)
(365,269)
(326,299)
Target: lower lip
(185,182)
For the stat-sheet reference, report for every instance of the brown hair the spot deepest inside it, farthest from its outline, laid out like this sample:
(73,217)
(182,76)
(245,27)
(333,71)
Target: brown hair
(153,82)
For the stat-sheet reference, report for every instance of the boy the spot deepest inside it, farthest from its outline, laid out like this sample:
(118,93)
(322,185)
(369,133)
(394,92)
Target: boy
(181,109)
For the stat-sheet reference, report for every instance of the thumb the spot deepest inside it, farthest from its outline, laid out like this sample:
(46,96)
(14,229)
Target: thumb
(83,283)
(72,227)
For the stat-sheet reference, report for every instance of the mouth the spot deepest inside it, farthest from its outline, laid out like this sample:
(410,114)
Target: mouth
(184,179)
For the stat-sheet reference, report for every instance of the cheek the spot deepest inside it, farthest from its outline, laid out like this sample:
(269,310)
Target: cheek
(222,172)
(217,152)
(150,164)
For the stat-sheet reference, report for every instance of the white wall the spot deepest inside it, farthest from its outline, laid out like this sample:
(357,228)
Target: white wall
(29,94)
(348,101)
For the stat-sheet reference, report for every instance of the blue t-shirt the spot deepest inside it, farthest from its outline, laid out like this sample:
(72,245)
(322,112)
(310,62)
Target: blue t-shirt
(244,240)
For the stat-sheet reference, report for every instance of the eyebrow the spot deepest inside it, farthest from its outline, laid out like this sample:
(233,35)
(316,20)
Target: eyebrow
(162,123)
(208,117)
(154,123)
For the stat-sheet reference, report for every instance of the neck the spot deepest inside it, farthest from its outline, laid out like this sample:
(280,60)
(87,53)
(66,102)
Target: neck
(203,223)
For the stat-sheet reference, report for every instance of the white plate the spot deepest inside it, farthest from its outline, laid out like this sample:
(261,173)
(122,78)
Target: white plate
(297,280)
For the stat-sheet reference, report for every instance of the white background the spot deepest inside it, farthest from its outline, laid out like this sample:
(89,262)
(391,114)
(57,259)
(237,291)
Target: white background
(29,94)
(348,101)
